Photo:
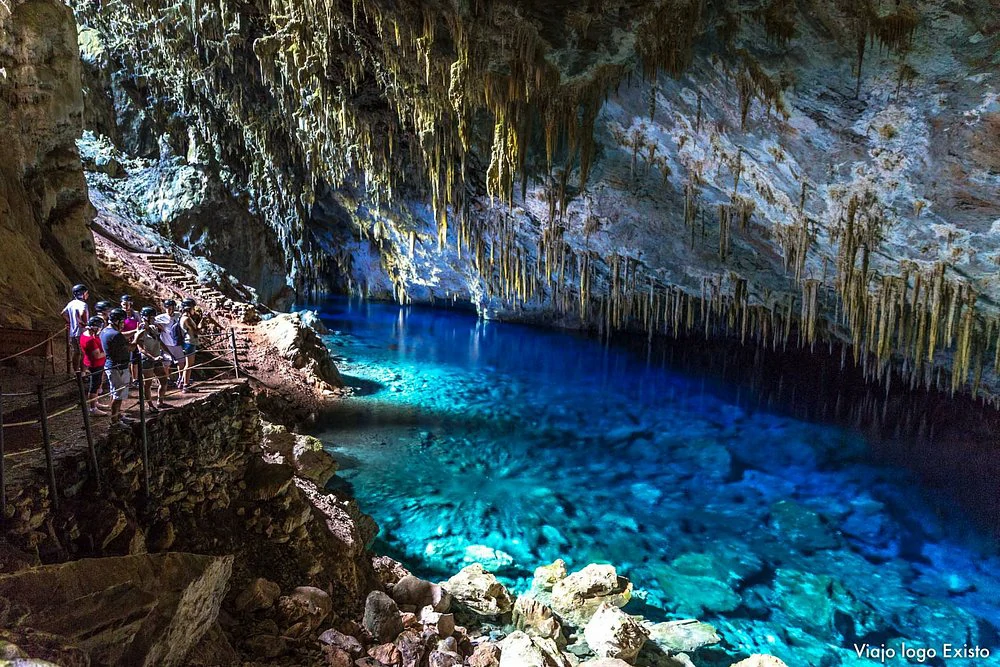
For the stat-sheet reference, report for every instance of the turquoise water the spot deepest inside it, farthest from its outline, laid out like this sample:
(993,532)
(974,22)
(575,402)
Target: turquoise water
(512,446)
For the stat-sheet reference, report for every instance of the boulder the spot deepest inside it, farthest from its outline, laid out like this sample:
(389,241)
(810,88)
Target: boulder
(442,624)
(342,641)
(136,610)
(760,660)
(413,594)
(485,655)
(386,654)
(605,662)
(611,633)
(335,656)
(517,650)
(478,590)
(412,648)
(306,604)
(382,620)
(259,594)
(546,576)
(576,597)
(534,618)
(684,636)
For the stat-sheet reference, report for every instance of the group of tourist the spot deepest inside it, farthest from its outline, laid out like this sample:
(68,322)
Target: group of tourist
(122,345)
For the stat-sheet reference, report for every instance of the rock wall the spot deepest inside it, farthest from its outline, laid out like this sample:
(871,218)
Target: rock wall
(211,493)
(44,209)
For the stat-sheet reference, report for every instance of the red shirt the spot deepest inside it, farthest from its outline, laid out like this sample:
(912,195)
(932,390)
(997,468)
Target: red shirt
(93,351)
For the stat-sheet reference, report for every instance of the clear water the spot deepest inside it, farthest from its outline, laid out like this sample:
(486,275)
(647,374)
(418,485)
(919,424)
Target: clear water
(513,446)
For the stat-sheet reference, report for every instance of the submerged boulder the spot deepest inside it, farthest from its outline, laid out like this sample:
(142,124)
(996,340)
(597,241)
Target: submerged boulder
(685,636)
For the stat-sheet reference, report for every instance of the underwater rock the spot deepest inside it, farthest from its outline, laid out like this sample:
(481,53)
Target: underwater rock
(260,594)
(489,558)
(578,596)
(381,618)
(536,619)
(801,527)
(611,633)
(684,636)
(694,587)
(546,576)
(822,606)
(480,591)
(413,593)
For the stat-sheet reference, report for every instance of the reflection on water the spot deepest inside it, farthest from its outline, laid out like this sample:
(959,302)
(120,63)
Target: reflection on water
(766,493)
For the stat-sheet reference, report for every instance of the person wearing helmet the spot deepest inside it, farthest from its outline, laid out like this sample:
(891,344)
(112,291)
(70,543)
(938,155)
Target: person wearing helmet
(76,313)
(102,308)
(93,361)
(172,336)
(129,327)
(147,342)
(190,327)
(116,365)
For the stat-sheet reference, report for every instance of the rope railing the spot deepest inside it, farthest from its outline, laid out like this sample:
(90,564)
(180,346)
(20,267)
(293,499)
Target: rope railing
(36,345)
(215,363)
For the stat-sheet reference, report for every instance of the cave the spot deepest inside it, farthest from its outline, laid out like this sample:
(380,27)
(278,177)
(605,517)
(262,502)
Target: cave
(501,333)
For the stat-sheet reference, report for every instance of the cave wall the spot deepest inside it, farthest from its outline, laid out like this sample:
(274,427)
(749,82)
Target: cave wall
(777,170)
(44,210)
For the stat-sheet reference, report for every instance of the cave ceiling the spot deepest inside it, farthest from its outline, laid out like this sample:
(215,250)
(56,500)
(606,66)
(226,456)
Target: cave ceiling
(783,170)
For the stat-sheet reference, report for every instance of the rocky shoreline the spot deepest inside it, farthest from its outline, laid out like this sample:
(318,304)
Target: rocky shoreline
(240,551)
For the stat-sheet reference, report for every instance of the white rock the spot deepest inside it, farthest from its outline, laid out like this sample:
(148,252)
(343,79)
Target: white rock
(612,633)
(480,591)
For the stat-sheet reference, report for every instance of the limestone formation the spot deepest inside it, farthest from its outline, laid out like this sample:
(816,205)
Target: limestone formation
(137,610)
(760,661)
(260,594)
(382,619)
(611,633)
(546,576)
(684,636)
(413,594)
(534,618)
(577,597)
(479,591)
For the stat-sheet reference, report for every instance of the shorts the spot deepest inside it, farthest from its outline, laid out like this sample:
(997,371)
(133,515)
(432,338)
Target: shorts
(94,378)
(74,343)
(150,364)
(118,382)
(176,352)
(189,349)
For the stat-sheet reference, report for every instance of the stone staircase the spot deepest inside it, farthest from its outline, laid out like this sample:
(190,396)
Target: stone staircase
(184,282)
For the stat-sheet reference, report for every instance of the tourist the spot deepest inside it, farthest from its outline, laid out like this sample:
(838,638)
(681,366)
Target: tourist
(76,313)
(116,365)
(190,327)
(147,342)
(93,361)
(103,308)
(172,336)
(131,324)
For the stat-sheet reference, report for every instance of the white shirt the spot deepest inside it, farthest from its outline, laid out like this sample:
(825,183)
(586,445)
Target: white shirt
(76,310)
(167,323)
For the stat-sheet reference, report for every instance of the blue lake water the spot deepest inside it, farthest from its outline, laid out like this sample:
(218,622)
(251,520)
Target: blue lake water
(513,446)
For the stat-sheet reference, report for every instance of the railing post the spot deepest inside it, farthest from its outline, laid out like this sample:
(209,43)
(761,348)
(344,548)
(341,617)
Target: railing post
(67,352)
(145,437)
(86,427)
(3,475)
(232,344)
(43,419)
